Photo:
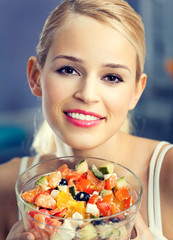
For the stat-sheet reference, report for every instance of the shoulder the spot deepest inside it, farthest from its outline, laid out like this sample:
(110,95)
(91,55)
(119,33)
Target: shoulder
(166,193)
(9,173)
(141,142)
(166,176)
(10,168)
(142,148)
(145,148)
(141,151)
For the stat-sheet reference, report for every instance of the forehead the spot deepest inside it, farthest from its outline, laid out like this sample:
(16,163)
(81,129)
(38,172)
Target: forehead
(84,35)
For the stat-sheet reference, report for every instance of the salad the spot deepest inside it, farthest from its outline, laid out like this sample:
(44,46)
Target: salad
(65,199)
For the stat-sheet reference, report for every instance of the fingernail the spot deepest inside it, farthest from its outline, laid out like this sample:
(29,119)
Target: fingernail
(29,237)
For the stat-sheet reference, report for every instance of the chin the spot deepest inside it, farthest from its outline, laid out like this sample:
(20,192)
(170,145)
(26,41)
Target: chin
(81,144)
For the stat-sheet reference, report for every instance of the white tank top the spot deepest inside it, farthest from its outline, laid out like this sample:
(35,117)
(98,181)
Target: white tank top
(154,208)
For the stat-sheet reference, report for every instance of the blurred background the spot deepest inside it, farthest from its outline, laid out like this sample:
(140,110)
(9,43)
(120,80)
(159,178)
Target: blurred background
(21,23)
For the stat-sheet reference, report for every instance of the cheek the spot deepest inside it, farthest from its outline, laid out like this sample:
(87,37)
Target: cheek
(118,102)
(54,92)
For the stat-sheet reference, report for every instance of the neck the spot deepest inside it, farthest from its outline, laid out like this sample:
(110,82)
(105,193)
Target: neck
(111,150)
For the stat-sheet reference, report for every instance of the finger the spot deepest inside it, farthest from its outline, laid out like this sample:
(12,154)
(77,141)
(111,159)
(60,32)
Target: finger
(17,233)
(141,229)
(139,223)
(24,236)
(17,227)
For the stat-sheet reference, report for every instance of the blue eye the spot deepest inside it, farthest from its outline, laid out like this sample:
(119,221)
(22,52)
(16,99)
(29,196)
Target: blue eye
(112,78)
(67,70)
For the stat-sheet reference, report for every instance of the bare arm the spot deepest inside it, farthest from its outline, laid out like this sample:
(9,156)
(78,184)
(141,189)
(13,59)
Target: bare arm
(166,192)
(8,206)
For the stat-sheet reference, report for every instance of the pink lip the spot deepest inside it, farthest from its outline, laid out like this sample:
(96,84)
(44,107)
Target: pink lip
(83,123)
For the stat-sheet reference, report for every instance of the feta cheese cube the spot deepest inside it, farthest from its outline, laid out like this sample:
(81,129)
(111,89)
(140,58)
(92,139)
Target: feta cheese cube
(92,209)
(54,193)
(79,220)
(66,232)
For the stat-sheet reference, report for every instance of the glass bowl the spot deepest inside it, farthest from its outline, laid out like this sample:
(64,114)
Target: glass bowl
(114,227)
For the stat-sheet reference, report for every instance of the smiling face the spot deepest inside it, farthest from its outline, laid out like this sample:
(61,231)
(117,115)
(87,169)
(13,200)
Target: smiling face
(88,83)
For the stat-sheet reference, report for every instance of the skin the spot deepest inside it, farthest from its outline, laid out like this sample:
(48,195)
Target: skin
(88,87)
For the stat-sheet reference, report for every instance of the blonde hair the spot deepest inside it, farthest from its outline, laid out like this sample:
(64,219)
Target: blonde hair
(115,13)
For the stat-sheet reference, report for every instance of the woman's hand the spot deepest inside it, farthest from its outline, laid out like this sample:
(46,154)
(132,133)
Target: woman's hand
(18,233)
(141,231)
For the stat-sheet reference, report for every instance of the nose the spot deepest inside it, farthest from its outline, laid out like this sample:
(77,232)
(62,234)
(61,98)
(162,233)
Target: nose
(87,91)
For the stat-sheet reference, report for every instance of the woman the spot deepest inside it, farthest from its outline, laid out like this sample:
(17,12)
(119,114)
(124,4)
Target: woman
(89,73)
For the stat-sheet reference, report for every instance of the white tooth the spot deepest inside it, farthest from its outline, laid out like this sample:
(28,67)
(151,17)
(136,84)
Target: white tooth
(82,116)
(93,118)
(73,115)
(87,117)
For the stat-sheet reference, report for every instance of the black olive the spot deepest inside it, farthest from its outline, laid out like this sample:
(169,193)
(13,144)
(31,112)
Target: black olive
(63,182)
(115,219)
(82,196)
(98,222)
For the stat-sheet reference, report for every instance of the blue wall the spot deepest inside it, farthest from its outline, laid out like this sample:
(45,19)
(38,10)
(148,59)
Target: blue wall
(20,25)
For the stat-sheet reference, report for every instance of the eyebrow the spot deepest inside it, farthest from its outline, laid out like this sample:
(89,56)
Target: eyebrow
(74,59)
(71,58)
(113,65)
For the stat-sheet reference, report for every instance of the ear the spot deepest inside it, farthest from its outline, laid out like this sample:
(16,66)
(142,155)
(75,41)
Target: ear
(33,73)
(140,86)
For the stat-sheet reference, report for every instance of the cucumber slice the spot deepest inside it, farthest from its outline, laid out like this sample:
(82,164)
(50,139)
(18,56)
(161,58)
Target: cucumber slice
(121,182)
(43,183)
(107,168)
(97,173)
(87,233)
(104,231)
(105,192)
(29,205)
(72,191)
(115,235)
(123,232)
(82,166)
